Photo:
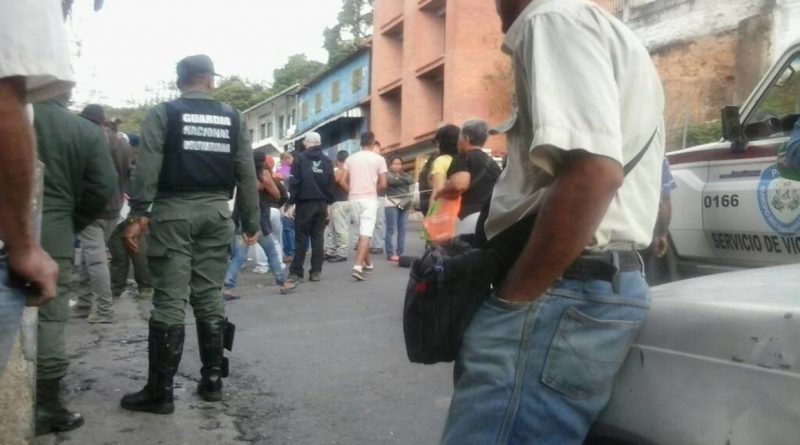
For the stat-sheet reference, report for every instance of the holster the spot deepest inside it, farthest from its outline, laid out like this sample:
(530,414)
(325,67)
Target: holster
(230,332)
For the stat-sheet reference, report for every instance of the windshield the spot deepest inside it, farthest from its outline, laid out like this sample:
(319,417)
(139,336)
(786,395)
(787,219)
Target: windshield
(782,100)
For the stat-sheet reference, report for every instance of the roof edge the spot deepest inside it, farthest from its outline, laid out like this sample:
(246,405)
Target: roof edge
(273,97)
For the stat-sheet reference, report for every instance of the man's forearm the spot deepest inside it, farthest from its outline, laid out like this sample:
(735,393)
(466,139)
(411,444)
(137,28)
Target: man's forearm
(566,223)
(664,216)
(17,159)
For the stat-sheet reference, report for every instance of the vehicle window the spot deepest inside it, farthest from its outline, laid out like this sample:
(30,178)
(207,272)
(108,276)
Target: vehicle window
(779,107)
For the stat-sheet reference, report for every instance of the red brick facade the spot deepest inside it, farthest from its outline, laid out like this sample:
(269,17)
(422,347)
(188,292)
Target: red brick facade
(436,62)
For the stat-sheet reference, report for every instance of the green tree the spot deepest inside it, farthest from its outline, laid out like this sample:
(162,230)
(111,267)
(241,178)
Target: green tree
(703,133)
(132,117)
(354,25)
(298,69)
(240,93)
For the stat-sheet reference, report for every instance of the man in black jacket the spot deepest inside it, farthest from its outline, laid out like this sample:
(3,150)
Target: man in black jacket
(310,191)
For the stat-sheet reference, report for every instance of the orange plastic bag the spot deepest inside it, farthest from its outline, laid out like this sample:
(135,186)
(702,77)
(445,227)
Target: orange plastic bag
(440,224)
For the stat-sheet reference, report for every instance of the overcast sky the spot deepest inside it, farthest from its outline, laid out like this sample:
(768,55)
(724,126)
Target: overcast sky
(132,45)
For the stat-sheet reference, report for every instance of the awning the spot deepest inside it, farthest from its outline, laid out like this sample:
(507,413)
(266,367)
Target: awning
(355,112)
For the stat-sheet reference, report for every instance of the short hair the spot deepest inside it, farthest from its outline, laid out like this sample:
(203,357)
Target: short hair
(475,131)
(447,139)
(393,157)
(194,79)
(342,155)
(367,139)
(312,139)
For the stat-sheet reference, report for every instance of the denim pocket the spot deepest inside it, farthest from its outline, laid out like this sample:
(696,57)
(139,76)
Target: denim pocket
(506,306)
(586,353)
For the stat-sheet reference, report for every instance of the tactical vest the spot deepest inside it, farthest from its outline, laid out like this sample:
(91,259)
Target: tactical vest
(199,147)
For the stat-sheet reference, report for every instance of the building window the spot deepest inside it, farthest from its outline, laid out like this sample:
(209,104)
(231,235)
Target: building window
(304,111)
(251,135)
(317,102)
(281,127)
(292,117)
(269,129)
(358,79)
(262,133)
(335,91)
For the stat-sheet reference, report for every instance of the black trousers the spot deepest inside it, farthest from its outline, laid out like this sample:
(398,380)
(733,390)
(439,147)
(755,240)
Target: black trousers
(310,219)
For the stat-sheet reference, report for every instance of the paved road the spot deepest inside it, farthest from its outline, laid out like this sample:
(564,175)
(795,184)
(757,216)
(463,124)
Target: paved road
(325,365)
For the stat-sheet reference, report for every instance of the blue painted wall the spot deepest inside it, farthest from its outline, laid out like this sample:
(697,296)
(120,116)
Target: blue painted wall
(348,98)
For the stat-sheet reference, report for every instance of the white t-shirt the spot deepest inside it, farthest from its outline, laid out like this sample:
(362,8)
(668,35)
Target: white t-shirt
(583,81)
(364,168)
(33,45)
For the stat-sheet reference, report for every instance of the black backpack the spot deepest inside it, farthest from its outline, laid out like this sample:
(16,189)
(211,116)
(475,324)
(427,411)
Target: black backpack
(445,288)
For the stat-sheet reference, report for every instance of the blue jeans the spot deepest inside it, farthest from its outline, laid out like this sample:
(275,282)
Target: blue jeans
(396,219)
(288,236)
(275,220)
(12,303)
(541,372)
(239,256)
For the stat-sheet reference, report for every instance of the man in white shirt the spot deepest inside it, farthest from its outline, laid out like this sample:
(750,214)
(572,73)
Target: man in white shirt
(34,66)
(365,177)
(538,360)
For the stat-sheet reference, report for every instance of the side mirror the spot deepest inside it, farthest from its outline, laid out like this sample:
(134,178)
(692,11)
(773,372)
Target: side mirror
(732,129)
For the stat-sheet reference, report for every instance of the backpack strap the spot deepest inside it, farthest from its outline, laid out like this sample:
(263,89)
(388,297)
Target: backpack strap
(633,162)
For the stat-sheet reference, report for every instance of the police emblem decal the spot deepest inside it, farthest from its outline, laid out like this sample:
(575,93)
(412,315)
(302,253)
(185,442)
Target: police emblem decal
(779,201)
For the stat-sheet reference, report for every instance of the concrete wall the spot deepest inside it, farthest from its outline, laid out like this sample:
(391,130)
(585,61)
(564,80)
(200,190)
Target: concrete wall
(711,53)
(270,111)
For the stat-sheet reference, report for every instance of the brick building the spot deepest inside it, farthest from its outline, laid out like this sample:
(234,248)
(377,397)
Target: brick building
(439,61)
(436,62)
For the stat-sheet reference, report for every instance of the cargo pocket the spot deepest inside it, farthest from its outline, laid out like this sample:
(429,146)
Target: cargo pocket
(225,213)
(156,249)
(586,353)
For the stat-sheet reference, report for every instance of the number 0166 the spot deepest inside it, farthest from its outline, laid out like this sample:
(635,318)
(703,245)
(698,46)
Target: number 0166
(721,201)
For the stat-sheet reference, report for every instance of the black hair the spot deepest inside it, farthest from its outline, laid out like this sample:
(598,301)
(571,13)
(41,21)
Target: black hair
(393,157)
(367,139)
(447,139)
(259,158)
(342,155)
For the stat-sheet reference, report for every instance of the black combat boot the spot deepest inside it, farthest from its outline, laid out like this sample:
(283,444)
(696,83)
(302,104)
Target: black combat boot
(210,340)
(51,415)
(165,346)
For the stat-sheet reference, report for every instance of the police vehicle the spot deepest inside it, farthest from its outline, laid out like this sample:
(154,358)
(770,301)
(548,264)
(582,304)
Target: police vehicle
(732,209)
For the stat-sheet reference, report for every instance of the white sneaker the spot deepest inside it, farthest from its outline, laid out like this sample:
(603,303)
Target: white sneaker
(261,269)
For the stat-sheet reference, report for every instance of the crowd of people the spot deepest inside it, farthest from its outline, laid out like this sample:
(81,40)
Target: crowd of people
(584,155)
(106,192)
(314,201)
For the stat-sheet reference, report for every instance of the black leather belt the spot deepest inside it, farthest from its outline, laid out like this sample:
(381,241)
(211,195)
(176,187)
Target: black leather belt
(603,266)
